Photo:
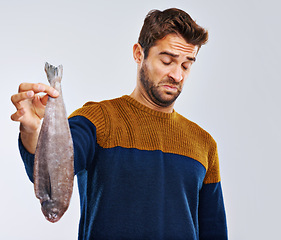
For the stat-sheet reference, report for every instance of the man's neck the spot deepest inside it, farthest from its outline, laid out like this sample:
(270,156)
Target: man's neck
(145,100)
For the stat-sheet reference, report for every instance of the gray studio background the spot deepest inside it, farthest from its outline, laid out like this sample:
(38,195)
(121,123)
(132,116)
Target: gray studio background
(232,92)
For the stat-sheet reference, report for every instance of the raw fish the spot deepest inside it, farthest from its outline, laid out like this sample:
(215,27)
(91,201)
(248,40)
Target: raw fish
(53,164)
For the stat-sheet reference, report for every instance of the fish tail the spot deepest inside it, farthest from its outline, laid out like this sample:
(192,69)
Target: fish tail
(53,73)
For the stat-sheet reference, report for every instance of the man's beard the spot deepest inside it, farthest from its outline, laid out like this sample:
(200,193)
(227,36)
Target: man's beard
(158,96)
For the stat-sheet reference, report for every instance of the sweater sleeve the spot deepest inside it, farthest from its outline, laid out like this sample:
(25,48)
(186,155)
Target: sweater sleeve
(212,218)
(211,213)
(28,159)
(83,133)
(84,138)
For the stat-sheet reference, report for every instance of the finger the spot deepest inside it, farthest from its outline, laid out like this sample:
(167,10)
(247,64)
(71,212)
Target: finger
(17,115)
(37,88)
(17,98)
(39,101)
(40,105)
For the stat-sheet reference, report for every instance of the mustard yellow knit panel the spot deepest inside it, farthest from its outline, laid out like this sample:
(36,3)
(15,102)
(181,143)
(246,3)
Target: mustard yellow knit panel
(126,123)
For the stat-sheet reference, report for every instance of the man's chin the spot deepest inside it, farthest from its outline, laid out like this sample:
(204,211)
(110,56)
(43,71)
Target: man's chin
(165,99)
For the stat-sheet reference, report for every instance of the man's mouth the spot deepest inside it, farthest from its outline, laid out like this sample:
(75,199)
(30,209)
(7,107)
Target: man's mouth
(172,88)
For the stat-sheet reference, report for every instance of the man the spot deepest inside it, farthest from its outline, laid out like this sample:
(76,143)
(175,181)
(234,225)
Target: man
(144,171)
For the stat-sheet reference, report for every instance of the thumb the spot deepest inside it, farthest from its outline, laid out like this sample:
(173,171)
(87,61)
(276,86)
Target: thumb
(40,102)
(43,100)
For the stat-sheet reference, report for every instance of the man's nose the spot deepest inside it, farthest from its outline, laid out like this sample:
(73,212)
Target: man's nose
(176,73)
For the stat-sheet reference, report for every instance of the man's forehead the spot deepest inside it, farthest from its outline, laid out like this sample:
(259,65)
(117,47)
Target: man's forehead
(176,45)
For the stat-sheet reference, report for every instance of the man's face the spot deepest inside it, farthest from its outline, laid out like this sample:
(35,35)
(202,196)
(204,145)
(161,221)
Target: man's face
(163,73)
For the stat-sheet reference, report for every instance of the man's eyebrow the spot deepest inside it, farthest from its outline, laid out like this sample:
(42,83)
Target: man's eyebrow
(169,54)
(191,59)
(176,55)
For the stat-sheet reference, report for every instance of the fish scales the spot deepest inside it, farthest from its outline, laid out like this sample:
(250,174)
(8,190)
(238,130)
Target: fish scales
(54,157)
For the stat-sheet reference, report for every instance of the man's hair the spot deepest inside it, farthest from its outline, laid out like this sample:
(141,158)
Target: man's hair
(158,24)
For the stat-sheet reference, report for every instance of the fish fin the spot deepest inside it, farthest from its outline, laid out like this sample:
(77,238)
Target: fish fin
(53,72)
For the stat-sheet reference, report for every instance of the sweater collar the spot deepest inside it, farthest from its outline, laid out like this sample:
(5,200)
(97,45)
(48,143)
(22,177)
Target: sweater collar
(150,111)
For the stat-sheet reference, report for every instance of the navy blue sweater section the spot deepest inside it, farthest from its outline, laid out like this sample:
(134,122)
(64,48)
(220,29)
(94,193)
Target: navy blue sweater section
(126,193)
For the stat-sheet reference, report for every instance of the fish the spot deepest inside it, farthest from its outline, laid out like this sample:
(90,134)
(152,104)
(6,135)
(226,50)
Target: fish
(54,155)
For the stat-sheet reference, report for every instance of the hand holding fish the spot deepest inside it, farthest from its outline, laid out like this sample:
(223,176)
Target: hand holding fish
(30,110)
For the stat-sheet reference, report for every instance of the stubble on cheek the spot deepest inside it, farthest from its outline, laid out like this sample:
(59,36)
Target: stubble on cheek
(156,92)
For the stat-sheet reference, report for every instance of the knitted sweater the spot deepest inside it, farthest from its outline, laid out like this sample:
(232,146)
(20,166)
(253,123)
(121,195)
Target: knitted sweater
(143,174)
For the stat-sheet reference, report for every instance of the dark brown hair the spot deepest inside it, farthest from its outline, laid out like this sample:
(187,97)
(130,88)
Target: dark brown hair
(158,24)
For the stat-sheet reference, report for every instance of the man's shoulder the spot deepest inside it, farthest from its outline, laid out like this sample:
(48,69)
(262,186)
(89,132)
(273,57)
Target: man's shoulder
(103,102)
(194,128)
(97,110)
(92,105)
(108,104)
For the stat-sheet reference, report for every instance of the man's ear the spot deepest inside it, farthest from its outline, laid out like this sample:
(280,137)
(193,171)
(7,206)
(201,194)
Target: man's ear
(138,53)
